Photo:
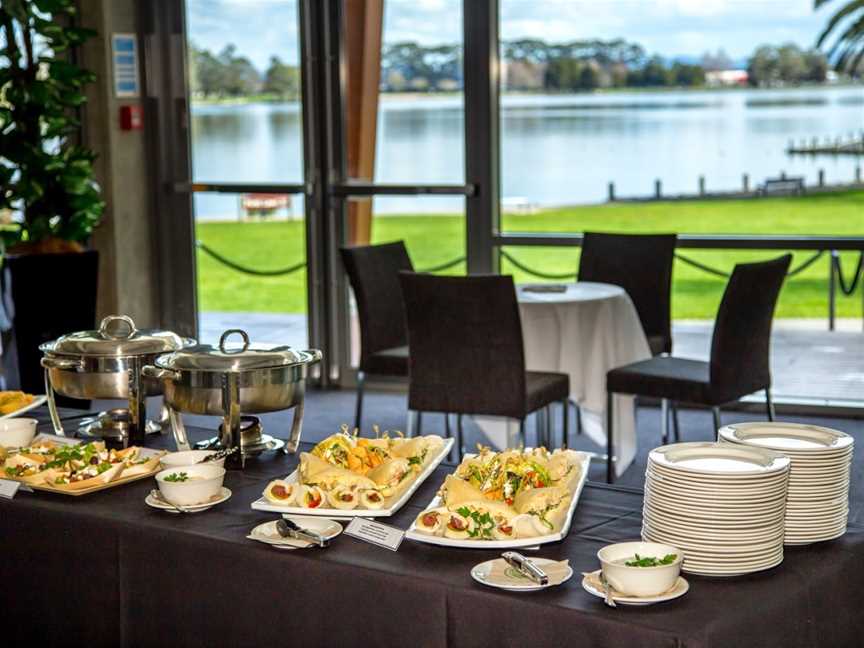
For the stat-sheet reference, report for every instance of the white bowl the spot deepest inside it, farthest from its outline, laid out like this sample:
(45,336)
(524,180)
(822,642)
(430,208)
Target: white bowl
(17,432)
(189,458)
(205,482)
(639,581)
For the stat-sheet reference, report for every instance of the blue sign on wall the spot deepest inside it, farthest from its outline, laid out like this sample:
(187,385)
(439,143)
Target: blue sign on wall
(125,53)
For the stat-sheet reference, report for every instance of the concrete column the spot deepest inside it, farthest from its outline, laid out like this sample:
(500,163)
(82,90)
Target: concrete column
(127,270)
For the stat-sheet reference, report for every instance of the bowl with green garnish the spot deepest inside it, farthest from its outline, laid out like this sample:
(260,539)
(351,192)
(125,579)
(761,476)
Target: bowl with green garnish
(641,568)
(190,485)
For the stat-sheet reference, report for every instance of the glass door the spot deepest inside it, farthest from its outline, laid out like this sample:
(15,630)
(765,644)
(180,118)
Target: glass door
(246,133)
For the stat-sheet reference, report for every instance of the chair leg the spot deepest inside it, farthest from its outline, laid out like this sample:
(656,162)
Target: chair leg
(565,414)
(716,412)
(676,426)
(664,420)
(419,423)
(358,412)
(547,441)
(610,453)
(447,432)
(578,412)
(769,404)
(522,432)
(459,444)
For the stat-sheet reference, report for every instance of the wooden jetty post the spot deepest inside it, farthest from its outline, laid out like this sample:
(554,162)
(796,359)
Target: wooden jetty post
(611,192)
(658,188)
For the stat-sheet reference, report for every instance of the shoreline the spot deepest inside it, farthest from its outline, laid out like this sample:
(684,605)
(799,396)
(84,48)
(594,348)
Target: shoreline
(411,97)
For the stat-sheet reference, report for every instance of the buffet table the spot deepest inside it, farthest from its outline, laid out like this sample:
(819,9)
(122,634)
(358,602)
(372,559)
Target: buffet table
(104,569)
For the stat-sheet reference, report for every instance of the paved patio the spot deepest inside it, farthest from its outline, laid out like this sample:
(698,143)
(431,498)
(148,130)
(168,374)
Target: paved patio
(808,361)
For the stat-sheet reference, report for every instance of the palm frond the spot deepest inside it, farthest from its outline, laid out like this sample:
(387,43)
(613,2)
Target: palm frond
(837,18)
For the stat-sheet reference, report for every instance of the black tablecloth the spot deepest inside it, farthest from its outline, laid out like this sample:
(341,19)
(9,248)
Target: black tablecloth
(106,570)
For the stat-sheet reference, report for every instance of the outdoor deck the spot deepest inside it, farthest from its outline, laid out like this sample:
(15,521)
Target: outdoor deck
(809,363)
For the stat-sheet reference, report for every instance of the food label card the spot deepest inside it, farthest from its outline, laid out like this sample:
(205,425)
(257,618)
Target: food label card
(8,488)
(375,533)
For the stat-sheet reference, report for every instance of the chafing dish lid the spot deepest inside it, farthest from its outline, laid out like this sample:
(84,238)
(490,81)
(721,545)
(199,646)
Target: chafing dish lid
(235,357)
(116,336)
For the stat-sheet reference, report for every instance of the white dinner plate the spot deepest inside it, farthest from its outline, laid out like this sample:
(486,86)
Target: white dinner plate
(716,535)
(717,483)
(268,534)
(680,588)
(39,400)
(718,459)
(699,502)
(696,547)
(156,503)
(714,518)
(480,573)
(787,437)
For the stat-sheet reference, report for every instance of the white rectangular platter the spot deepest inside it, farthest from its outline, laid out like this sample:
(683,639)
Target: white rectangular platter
(419,536)
(262,504)
(39,400)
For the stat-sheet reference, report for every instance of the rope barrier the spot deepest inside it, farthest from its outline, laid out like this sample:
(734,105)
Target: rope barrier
(444,266)
(847,289)
(801,268)
(537,273)
(701,266)
(856,277)
(251,271)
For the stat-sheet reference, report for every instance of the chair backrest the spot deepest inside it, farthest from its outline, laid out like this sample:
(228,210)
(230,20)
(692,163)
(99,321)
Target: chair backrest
(741,343)
(642,265)
(373,271)
(465,336)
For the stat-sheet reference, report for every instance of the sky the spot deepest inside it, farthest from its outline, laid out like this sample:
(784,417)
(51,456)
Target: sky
(671,28)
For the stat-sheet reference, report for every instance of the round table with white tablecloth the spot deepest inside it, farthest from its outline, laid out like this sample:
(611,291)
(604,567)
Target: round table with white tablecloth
(583,329)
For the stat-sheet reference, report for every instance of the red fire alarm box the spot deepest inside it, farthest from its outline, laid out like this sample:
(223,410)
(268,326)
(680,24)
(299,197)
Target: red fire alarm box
(131,118)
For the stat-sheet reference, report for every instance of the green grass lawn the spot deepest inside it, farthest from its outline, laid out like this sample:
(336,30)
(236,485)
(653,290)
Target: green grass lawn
(434,239)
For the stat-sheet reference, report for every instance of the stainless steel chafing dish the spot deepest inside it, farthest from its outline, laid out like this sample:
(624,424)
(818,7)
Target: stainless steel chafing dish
(106,363)
(229,379)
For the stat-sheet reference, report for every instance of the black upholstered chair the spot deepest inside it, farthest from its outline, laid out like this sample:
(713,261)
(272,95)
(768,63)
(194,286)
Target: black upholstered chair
(373,271)
(467,354)
(642,265)
(740,352)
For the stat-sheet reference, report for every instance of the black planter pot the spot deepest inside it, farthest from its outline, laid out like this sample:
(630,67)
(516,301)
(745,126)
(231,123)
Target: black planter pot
(44,296)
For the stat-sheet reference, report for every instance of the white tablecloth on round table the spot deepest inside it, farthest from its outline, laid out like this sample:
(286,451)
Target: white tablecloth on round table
(583,332)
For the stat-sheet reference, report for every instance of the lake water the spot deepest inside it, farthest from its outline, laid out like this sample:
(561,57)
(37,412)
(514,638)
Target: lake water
(556,150)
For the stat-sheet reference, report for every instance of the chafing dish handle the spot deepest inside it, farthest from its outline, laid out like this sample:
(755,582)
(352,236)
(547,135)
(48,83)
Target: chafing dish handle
(51,362)
(52,406)
(149,371)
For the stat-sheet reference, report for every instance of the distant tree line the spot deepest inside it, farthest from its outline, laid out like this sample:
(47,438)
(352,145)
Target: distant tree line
(786,65)
(529,65)
(227,74)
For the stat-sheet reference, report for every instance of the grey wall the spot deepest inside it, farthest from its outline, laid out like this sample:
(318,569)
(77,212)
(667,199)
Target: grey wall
(127,273)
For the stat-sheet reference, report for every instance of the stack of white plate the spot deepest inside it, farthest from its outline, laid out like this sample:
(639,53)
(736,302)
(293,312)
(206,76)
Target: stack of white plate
(723,505)
(817,504)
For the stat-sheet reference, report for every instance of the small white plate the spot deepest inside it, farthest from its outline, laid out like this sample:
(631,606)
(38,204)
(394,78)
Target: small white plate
(268,534)
(480,573)
(785,437)
(39,400)
(224,494)
(719,460)
(680,589)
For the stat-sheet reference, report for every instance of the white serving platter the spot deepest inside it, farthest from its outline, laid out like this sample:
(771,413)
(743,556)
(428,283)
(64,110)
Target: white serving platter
(262,504)
(39,400)
(419,536)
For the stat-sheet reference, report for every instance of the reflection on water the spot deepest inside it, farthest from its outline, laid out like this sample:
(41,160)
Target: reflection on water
(555,149)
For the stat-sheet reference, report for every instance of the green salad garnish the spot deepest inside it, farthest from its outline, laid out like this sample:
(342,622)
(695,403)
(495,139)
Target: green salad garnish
(177,477)
(651,561)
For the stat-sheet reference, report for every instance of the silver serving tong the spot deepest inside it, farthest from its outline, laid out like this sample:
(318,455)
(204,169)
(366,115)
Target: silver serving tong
(219,455)
(526,567)
(289,529)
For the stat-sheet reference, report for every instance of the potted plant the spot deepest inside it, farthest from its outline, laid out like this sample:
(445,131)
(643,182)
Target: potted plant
(48,198)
